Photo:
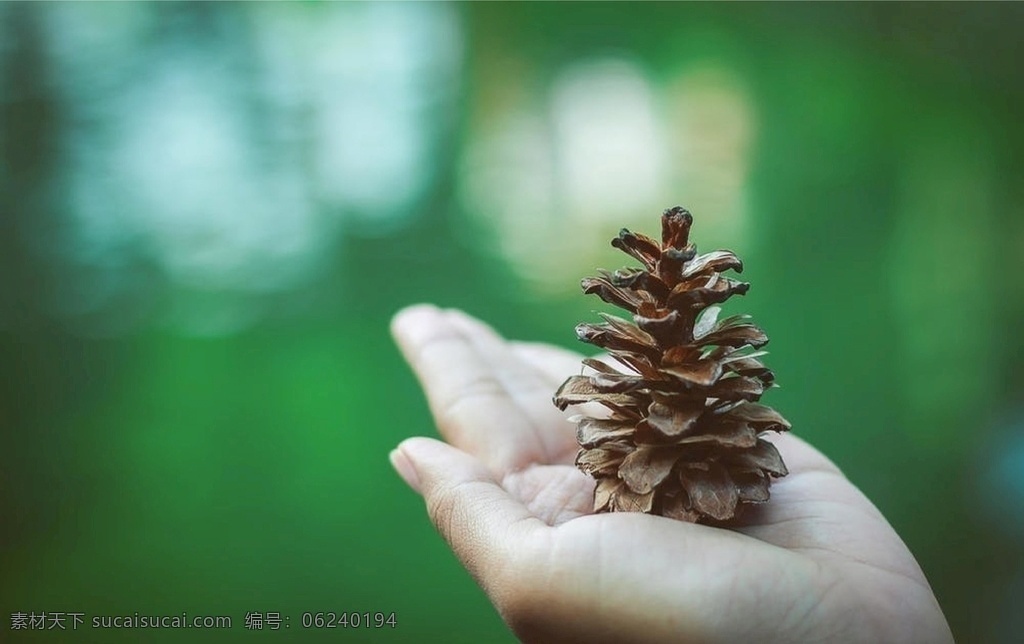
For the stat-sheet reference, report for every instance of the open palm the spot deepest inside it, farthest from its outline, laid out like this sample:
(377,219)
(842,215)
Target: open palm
(817,563)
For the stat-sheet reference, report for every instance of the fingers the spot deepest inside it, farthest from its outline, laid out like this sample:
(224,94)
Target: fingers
(555,364)
(481,522)
(485,399)
(528,386)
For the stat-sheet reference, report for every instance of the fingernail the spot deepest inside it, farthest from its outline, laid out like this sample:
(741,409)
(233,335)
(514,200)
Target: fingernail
(405,468)
(414,315)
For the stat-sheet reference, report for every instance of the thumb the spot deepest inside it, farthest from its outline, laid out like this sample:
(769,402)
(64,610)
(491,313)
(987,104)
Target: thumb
(480,520)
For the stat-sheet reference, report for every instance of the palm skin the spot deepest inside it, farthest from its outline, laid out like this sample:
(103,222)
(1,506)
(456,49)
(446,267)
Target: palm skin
(818,563)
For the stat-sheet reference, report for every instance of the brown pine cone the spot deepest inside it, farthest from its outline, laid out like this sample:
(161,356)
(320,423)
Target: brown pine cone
(683,437)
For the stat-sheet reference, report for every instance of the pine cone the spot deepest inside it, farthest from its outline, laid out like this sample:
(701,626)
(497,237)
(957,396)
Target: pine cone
(683,438)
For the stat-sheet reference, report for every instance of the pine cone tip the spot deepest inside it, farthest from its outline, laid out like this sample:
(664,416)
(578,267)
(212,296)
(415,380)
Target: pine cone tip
(675,227)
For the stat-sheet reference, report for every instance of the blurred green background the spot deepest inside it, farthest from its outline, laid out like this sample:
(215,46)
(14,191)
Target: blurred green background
(208,213)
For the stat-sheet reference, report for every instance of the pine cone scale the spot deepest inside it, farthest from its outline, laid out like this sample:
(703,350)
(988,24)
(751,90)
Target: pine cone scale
(673,420)
(712,491)
(646,467)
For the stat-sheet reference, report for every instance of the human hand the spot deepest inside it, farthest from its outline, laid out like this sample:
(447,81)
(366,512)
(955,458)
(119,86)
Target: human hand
(817,563)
